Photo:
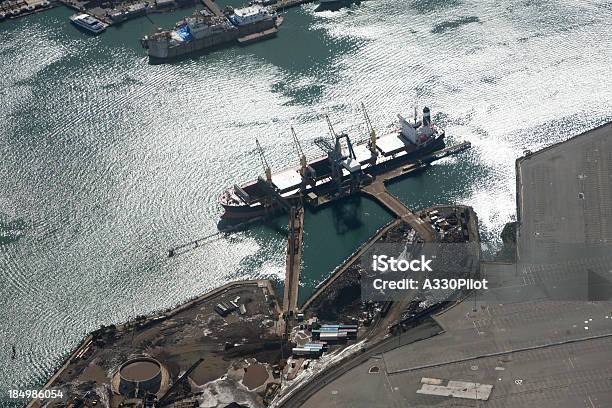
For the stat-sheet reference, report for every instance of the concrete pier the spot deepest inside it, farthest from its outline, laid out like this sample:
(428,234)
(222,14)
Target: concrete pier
(213,7)
(294,259)
(379,192)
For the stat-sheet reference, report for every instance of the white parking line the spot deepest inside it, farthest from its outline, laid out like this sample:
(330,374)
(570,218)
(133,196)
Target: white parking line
(591,401)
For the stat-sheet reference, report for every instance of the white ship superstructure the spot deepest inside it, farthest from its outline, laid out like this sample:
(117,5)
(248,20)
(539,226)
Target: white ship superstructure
(203,26)
(89,23)
(250,15)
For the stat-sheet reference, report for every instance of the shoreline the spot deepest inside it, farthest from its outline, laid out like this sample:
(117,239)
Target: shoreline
(154,317)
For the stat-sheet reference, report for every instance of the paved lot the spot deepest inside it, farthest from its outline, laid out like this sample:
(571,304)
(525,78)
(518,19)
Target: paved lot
(536,352)
(552,375)
(565,197)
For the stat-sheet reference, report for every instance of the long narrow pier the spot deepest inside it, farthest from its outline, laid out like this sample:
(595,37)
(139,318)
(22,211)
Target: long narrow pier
(196,243)
(213,7)
(294,260)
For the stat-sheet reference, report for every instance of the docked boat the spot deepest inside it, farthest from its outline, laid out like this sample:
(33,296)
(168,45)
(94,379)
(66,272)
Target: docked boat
(212,27)
(88,23)
(415,139)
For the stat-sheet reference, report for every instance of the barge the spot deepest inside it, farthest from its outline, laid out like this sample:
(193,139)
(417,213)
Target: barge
(210,28)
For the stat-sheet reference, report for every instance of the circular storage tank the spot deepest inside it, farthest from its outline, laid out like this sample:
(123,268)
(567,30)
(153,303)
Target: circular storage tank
(140,376)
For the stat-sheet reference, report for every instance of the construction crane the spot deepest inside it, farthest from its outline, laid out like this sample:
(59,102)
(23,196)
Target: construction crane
(264,162)
(371,133)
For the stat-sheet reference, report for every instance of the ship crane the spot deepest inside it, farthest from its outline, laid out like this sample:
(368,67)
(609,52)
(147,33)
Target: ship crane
(371,133)
(267,186)
(264,162)
(338,160)
(324,145)
(306,171)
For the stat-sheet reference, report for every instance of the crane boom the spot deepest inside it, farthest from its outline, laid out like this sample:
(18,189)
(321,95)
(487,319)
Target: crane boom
(332,132)
(264,162)
(372,134)
(367,120)
(303,163)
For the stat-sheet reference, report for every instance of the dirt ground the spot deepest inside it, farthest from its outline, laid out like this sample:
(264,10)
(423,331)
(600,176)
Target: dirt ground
(177,339)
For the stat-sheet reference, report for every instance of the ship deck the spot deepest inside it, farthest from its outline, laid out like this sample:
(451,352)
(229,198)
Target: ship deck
(392,143)
(388,145)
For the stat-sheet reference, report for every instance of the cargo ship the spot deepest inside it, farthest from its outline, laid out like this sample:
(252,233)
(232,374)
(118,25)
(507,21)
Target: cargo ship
(337,172)
(211,27)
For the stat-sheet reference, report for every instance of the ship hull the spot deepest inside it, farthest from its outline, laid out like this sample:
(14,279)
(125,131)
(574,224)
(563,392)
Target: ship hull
(260,209)
(159,53)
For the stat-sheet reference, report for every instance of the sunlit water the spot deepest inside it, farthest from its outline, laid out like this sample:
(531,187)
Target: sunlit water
(106,161)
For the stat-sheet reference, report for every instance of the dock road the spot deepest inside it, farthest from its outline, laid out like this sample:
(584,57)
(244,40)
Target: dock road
(294,259)
(379,192)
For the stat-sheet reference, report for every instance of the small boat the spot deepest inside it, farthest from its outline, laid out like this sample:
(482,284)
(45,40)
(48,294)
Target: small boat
(15,12)
(89,23)
(2,15)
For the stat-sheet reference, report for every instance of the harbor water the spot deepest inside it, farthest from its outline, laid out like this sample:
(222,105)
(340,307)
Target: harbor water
(107,161)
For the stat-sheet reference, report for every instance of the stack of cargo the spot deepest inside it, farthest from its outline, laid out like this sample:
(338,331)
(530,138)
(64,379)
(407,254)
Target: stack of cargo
(335,332)
(312,350)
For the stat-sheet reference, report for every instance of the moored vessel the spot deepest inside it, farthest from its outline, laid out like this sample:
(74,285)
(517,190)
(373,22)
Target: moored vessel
(343,167)
(88,23)
(212,27)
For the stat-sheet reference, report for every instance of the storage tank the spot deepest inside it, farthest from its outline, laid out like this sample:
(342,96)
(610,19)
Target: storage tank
(140,376)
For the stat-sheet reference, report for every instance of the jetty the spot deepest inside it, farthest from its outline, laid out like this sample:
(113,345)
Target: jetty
(379,192)
(294,259)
